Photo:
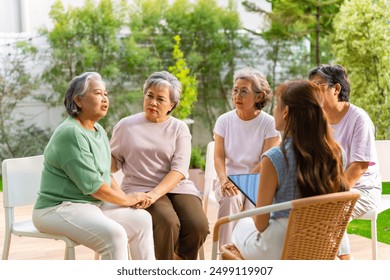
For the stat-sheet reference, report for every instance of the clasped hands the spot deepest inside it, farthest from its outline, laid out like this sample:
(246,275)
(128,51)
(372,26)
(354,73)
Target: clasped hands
(228,188)
(142,200)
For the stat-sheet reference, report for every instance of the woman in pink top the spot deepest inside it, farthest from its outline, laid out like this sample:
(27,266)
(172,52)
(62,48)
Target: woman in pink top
(153,149)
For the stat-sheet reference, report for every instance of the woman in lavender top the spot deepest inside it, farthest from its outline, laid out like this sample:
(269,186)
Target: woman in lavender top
(153,149)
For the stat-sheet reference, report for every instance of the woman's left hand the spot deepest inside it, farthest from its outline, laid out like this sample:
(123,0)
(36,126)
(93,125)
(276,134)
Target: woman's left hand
(228,188)
(141,199)
(151,198)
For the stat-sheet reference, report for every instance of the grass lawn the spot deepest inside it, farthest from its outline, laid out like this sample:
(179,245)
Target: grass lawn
(363,227)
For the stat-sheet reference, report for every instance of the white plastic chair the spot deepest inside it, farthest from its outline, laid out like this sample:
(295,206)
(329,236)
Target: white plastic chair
(210,177)
(383,151)
(21,182)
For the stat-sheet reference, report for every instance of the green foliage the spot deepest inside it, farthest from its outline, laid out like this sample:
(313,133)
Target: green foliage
(294,21)
(125,43)
(80,45)
(213,34)
(18,84)
(84,39)
(386,188)
(293,56)
(209,38)
(361,44)
(198,158)
(23,140)
(296,37)
(188,82)
(146,32)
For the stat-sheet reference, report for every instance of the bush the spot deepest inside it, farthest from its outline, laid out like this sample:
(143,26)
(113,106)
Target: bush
(198,159)
(22,141)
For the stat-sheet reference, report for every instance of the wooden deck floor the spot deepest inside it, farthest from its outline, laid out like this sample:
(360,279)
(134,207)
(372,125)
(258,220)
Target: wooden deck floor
(24,248)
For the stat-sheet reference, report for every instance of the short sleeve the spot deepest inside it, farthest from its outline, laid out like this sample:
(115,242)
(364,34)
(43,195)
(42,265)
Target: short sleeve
(270,130)
(115,144)
(182,155)
(220,126)
(78,162)
(363,140)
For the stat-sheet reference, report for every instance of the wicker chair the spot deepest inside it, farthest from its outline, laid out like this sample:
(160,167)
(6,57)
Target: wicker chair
(315,228)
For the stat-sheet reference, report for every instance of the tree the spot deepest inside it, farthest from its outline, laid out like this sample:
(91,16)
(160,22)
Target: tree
(16,84)
(361,44)
(210,38)
(126,43)
(188,82)
(213,43)
(84,39)
(291,22)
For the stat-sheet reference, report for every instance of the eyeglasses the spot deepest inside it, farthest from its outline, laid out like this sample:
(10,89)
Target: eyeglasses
(241,92)
(321,84)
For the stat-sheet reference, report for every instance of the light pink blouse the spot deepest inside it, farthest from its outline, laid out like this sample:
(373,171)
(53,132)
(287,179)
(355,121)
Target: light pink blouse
(147,151)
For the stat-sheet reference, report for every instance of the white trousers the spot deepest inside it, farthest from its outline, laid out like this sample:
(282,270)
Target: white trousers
(254,245)
(108,230)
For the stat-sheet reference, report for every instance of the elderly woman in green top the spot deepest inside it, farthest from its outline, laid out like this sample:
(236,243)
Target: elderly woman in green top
(78,198)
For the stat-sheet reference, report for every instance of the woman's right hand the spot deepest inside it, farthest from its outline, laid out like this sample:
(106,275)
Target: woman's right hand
(228,188)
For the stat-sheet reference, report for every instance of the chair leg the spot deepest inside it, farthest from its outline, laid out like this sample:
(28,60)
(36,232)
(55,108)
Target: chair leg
(7,244)
(69,253)
(201,253)
(374,239)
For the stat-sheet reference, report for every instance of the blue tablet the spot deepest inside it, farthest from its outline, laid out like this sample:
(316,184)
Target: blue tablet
(248,184)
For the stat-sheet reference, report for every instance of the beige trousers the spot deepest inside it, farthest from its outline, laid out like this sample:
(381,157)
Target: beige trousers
(229,205)
(108,230)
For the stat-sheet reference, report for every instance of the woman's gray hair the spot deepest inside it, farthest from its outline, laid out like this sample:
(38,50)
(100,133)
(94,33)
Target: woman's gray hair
(78,87)
(164,79)
(259,84)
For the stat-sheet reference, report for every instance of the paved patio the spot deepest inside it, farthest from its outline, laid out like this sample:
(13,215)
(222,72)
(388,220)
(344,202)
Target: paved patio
(24,248)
